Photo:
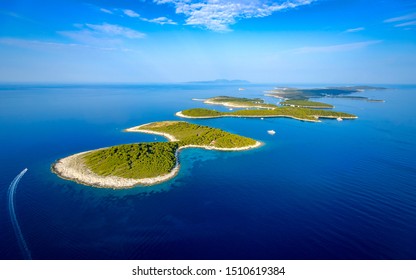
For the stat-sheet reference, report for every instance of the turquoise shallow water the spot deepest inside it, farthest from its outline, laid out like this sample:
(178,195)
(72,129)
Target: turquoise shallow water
(329,190)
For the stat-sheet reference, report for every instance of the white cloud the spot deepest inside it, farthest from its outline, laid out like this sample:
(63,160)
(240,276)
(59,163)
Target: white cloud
(115,30)
(336,48)
(131,13)
(33,43)
(402,18)
(218,15)
(43,45)
(352,30)
(11,14)
(403,21)
(16,16)
(106,11)
(49,45)
(409,23)
(160,20)
(102,35)
(164,1)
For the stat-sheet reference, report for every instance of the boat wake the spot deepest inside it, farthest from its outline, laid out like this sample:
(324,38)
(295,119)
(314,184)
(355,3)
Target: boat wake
(21,240)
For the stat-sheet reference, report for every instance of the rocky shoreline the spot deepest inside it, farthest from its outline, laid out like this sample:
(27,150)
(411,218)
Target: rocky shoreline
(74,168)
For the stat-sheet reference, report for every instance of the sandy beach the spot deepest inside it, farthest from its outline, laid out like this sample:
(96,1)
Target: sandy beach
(227,104)
(138,129)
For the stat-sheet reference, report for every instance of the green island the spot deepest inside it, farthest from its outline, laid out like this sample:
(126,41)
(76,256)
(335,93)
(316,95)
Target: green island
(128,165)
(338,92)
(137,161)
(192,134)
(353,97)
(306,104)
(239,102)
(304,114)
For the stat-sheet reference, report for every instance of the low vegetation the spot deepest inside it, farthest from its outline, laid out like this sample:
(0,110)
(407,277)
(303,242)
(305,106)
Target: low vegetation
(146,160)
(293,112)
(136,161)
(305,94)
(306,104)
(239,102)
(193,134)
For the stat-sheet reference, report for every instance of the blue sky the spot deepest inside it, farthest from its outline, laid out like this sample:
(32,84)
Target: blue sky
(139,41)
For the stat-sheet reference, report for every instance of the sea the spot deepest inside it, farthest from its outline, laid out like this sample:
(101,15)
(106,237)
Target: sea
(327,190)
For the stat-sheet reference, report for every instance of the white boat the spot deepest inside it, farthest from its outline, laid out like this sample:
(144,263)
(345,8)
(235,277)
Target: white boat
(262,118)
(230,109)
(240,89)
(271,132)
(339,119)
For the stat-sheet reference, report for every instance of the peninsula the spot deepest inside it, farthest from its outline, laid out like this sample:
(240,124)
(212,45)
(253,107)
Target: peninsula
(238,102)
(303,114)
(241,102)
(128,165)
(306,104)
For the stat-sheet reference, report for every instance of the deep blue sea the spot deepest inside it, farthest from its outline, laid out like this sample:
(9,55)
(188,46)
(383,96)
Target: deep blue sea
(329,190)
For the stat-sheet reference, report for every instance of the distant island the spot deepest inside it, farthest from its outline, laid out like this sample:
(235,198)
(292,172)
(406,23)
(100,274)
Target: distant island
(241,102)
(237,102)
(335,92)
(221,82)
(306,104)
(128,165)
(300,109)
(303,114)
